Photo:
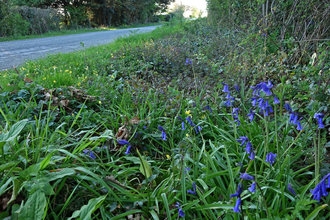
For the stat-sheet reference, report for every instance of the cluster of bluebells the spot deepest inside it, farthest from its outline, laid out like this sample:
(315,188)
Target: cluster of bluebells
(293,117)
(91,155)
(239,191)
(124,142)
(270,158)
(248,148)
(163,133)
(229,98)
(319,117)
(181,213)
(197,128)
(194,189)
(263,102)
(321,188)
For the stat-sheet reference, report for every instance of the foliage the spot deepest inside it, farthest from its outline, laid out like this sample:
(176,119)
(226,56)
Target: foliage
(142,129)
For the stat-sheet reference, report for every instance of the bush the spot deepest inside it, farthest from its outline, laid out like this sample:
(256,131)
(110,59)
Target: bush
(13,25)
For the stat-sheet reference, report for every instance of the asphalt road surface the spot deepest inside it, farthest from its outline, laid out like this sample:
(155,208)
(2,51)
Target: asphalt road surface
(15,53)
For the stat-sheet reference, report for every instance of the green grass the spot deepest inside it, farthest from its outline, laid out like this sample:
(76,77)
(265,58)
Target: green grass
(162,92)
(77,31)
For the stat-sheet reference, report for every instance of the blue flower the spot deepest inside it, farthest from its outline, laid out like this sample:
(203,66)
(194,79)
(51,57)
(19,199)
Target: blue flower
(237,88)
(181,213)
(265,87)
(163,132)
(180,118)
(199,129)
(243,140)
(287,107)
(251,115)
(320,189)
(91,155)
(292,117)
(187,169)
(122,142)
(246,176)
(188,61)
(252,155)
(252,188)
(299,128)
(254,101)
(183,126)
(225,88)
(276,101)
(291,190)
(128,148)
(319,117)
(194,187)
(208,108)
(190,122)
(270,158)
(239,191)
(238,202)
(248,147)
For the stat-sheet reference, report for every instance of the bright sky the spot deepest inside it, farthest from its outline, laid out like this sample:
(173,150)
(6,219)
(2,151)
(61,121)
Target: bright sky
(200,4)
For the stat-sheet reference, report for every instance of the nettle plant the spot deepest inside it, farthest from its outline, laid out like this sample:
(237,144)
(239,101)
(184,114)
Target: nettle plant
(275,138)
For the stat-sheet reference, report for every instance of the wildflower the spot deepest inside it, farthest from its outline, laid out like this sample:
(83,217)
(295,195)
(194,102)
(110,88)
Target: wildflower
(319,117)
(128,148)
(276,101)
(246,176)
(287,107)
(91,155)
(225,88)
(291,190)
(163,133)
(265,87)
(239,191)
(252,188)
(320,189)
(243,140)
(238,202)
(179,118)
(183,126)
(190,122)
(237,88)
(254,101)
(235,115)
(251,115)
(199,129)
(299,128)
(194,187)
(252,155)
(248,147)
(270,158)
(187,169)
(188,113)
(208,108)
(181,213)
(187,135)
(122,142)
(188,61)
(168,156)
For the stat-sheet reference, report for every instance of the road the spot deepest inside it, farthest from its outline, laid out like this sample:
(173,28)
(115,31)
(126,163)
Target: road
(16,53)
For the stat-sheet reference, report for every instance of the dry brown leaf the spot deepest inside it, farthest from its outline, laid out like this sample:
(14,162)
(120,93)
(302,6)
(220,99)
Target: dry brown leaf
(135,120)
(64,103)
(28,80)
(122,133)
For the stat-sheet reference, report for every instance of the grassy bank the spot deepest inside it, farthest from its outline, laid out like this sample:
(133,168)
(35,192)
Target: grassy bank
(76,31)
(166,125)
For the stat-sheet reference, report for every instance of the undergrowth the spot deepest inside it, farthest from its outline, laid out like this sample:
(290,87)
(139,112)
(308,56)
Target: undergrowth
(166,125)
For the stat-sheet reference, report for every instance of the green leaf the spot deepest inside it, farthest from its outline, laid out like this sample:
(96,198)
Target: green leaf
(60,174)
(13,132)
(16,188)
(34,208)
(316,212)
(85,213)
(144,166)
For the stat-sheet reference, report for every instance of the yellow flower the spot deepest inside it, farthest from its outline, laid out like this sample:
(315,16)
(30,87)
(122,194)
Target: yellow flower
(100,102)
(78,84)
(112,76)
(187,135)
(70,72)
(203,116)
(168,156)
(188,113)
(54,81)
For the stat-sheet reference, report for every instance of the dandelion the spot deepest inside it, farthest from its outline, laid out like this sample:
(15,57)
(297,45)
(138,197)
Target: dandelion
(252,188)
(291,190)
(319,117)
(246,176)
(270,158)
(194,187)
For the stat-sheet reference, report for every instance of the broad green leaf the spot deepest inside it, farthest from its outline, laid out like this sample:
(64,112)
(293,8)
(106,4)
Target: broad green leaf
(16,188)
(144,166)
(85,213)
(316,212)
(60,174)
(13,132)
(34,207)
(44,163)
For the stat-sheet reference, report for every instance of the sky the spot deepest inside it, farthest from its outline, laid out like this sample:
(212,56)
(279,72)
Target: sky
(200,4)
